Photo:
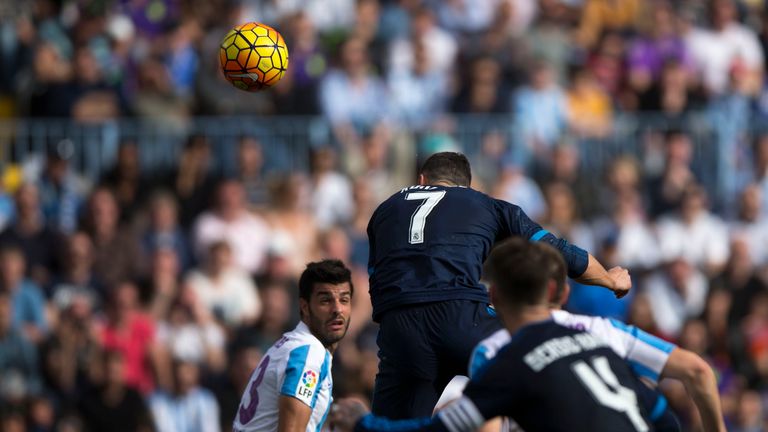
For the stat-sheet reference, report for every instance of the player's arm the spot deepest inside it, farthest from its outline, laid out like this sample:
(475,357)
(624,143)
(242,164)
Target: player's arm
(701,384)
(654,358)
(293,415)
(616,279)
(582,266)
(351,415)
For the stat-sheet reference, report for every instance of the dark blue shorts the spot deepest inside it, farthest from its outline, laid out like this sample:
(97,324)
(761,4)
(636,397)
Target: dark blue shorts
(421,348)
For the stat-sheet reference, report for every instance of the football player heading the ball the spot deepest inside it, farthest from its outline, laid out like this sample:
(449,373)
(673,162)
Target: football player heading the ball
(427,247)
(291,388)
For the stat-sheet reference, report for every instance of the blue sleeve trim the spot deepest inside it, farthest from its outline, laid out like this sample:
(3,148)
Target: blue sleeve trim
(538,235)
(659,408)
(296,362)
(371,423)
(478,360)
(644,337)
(644,371)
(323,375)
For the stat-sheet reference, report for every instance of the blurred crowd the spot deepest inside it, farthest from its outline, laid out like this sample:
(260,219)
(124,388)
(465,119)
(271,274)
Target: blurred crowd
(142,299)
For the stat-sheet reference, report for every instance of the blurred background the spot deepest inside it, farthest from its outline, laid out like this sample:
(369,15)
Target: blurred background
(154,219)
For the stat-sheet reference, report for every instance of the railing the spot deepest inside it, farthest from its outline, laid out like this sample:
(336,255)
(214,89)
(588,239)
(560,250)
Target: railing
(287,140)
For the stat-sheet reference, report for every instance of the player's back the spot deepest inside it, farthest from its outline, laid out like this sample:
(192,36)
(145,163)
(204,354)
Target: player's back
(297,365)
(428,244)
(554,378)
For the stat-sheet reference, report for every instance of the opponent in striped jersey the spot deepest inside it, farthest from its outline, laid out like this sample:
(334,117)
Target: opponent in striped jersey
(650,357)
(291,388)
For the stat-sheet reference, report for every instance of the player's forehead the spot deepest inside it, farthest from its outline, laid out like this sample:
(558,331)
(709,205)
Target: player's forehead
(331,290)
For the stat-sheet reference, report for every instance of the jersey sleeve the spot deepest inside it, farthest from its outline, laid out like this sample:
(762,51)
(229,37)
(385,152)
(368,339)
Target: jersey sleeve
(304,373)
(514,222)
(647,354)
(486,350)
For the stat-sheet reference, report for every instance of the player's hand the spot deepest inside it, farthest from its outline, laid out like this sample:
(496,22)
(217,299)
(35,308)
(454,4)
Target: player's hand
(622,283)
(345,413)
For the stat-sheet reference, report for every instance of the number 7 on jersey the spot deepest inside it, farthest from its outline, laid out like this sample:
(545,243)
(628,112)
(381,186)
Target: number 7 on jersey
(419,217)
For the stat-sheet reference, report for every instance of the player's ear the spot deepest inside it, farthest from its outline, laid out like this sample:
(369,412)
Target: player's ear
(303,308)
(565,293)
(422,180)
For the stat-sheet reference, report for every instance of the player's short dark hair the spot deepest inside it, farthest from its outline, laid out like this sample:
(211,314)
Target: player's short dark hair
(520,270)
(328,271)
(452,167)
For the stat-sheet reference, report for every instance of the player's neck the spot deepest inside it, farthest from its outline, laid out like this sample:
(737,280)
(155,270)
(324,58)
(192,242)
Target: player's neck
(516,318)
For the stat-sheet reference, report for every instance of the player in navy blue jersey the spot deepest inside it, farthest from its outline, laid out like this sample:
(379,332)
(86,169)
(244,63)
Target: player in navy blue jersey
(427,247)
(547,378)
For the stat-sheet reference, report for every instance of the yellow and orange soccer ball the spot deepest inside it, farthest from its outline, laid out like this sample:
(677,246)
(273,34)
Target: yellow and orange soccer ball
(253,56)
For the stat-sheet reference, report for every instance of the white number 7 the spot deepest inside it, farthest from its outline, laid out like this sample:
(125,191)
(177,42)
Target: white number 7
(419,217)
(607,390)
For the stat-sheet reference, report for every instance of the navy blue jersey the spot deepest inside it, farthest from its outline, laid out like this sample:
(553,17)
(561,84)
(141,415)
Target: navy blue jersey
(428,243)
(548,378)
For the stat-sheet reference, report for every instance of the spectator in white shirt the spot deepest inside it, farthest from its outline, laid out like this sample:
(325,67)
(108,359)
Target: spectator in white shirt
(726,45)
(675,294)
(227,292)
(230,221)
(440,47)
(189,407)
(751,227)
(694,233)
(190,334)
(331,191)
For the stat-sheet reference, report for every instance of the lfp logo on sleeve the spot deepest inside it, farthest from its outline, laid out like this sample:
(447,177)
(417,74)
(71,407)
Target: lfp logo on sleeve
(307,384)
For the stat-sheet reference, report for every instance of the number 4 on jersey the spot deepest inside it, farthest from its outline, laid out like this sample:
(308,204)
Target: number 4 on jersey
(608,391)
(419,217)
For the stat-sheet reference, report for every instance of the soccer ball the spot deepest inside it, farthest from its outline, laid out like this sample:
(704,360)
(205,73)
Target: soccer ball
(253,56)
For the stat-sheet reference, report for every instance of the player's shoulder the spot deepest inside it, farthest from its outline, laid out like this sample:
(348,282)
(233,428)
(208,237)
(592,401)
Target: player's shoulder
(299,342)
(486,350)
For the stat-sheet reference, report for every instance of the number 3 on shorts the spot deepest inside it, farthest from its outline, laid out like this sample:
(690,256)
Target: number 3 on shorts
(419,217)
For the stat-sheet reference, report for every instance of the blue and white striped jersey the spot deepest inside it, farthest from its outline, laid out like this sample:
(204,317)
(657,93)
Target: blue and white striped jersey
(645,353)
(298,366)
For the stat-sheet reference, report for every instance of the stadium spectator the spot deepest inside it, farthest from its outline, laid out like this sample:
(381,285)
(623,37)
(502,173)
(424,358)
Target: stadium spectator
(588,105)
(251,171)
(291,221)
(514,186)
(193,180)
(541,111)
(127,181)
(438,49)
(676,293)
(562,217)
(665,191)
(127,330)
(27,298)
(71,352)
(188,407)
(598,16)
(164,232)
(298,90)
(750,226)
(112,404)
(38,241)
(230,221)
(161,286)
(116,250)
(351,97)
(62,190)
(77,278)
(482,89)
(223,289)
(331,191)
(19,374)
(694,233)
(724,46)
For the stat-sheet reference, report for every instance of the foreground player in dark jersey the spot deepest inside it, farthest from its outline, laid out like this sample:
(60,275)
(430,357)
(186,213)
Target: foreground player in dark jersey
(427,247)
(548,378)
